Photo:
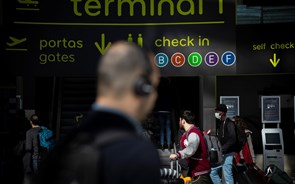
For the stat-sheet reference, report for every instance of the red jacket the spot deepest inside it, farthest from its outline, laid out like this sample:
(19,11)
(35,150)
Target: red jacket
(198,163)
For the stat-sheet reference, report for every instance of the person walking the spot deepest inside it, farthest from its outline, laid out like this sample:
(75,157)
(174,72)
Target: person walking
(227,137)
(108,146)
(193,150)
(31,159)
(247,154)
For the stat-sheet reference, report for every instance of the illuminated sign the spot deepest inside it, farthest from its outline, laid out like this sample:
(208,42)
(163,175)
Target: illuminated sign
(118,11)
(188,37)
(267,48)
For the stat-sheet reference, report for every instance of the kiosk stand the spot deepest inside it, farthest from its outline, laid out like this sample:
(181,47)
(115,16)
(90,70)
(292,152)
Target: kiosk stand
(272,138)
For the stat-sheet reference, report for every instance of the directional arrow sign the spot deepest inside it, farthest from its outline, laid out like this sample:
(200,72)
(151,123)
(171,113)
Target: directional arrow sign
(274,61)
(102,48)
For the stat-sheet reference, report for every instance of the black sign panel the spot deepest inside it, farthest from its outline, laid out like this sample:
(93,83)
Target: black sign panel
(67,37)
(267,48)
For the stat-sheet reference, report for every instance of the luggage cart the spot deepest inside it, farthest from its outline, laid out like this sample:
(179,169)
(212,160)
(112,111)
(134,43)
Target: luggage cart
(170,169)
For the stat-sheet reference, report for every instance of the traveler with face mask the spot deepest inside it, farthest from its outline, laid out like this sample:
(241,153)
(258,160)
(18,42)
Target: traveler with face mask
(227,137)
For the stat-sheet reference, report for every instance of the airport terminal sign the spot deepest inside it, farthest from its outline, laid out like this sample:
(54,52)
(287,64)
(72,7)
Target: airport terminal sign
(67,37)
(267,48)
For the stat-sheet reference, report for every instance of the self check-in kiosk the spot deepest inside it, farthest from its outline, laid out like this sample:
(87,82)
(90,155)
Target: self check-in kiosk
(273,147)
(272,138)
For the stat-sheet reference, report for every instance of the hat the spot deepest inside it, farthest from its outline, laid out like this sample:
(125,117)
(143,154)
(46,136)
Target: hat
(221,108)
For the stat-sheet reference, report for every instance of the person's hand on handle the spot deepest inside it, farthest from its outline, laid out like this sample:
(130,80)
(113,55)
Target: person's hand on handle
(173,156)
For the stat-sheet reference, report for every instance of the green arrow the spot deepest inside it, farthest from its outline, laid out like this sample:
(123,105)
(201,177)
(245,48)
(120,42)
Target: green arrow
(274,61)
(102,48)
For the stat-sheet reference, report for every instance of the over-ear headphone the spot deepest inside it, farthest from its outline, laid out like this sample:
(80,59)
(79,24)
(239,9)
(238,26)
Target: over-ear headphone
(143,86)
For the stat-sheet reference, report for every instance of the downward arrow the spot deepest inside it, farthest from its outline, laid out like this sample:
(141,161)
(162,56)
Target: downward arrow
(274,61)
(102,48)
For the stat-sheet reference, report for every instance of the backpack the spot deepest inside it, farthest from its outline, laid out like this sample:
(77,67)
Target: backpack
(241,138)
(214,148)
(46,138)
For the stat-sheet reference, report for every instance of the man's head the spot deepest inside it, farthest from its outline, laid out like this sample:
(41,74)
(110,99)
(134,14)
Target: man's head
(220,111)
(34,120)
(186,118)
(127,79)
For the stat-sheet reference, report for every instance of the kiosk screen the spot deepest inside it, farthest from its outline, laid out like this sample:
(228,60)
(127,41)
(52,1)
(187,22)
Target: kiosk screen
(272,138)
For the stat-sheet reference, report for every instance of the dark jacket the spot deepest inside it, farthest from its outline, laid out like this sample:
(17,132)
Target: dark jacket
(227,136)
(32,149)
(32,142)
(129,159)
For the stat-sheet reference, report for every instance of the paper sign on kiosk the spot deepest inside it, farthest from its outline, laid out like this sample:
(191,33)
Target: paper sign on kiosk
(270,109)
(232,104)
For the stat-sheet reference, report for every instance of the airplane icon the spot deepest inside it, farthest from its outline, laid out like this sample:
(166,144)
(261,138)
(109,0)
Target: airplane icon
(15,41)
(28,2)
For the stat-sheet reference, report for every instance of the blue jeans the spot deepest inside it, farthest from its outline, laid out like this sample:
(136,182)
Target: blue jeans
(35,164)
(227,170)
(165,124)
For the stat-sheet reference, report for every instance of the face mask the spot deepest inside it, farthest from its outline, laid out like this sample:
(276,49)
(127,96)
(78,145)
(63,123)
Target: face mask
(217,115)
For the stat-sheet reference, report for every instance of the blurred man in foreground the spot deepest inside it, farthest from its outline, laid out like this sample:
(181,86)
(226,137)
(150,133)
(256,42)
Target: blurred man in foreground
(108,147)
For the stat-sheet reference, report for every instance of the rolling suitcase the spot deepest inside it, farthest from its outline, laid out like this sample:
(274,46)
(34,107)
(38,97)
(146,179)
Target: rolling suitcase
(250,174)
(239,174)
(256,175)
(277,176)
(171,175)
(170,169)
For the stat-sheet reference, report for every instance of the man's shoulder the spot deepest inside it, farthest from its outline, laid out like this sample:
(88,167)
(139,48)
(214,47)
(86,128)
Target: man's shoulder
(194,134)
(99,120)
(33,131)
(196,130)
(229,122)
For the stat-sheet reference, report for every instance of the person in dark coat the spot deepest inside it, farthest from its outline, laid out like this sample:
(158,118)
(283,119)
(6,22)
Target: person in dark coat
(31,159)
(108,146)
(227,137)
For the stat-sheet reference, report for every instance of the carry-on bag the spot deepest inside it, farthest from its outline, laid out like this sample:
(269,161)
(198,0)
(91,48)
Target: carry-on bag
(250,174)
(171,175)
(277,176)
(170,169)
(256,175)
